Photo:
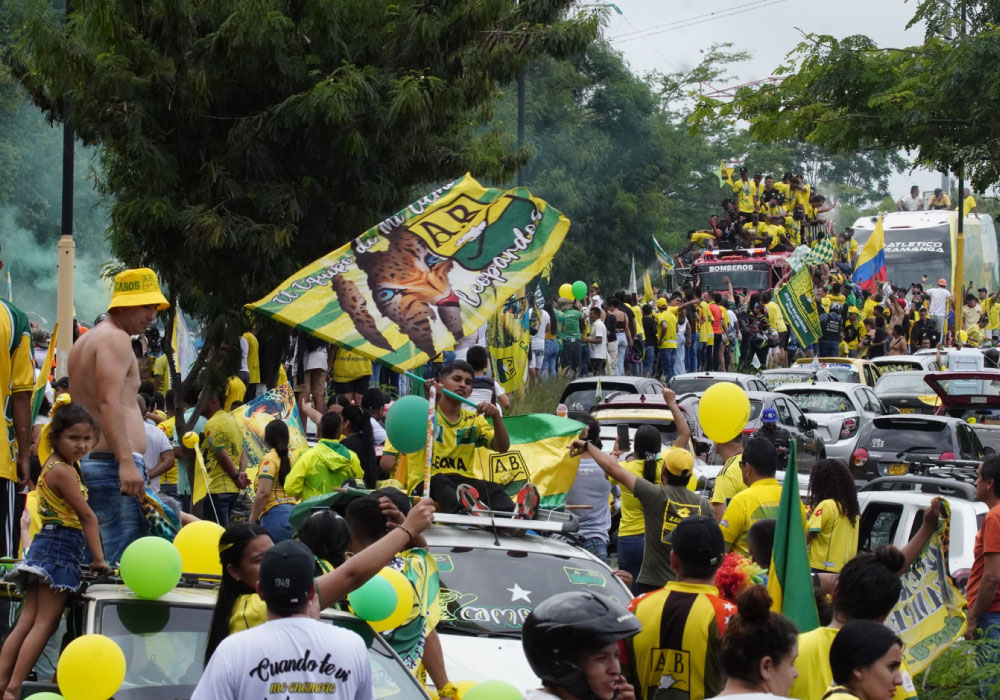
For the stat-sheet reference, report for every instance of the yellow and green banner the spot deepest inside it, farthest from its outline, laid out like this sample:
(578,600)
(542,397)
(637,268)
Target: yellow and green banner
(508,340)
(930,614)
(411,286)
(539,452)
(798,306)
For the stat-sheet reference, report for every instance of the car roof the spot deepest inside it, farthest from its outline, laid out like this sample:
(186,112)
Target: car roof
(842,387)
(935,486)
(889,359)
(439,535)
(711,375)
(180,595)
(605,379)
(654,401)
(831,361)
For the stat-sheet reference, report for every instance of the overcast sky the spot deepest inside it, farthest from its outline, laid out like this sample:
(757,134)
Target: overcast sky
(669,35)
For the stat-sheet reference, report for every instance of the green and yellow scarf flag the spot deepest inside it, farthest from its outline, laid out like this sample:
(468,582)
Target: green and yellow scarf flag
(930,614)
(508,340)
(42,380)
(414,284)
(789,580)
(539,453)
(798,305)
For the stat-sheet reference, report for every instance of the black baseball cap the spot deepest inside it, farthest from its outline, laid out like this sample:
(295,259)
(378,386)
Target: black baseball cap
(697,541)
(286,576)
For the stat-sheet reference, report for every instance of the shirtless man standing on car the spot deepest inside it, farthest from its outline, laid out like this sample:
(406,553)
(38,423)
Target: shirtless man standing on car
(104,377)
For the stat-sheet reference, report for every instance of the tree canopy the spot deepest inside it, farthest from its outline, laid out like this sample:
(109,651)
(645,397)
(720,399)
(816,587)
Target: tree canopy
(240,140)
(937,100)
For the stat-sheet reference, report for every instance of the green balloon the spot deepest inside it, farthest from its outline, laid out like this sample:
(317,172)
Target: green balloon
(46,696)
(151,566)
(375,600)
(579,292)
(492,690)
(406,426)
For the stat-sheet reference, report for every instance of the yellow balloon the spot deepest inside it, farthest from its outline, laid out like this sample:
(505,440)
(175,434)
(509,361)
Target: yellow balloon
(566,291)
(198,544)
(723,411)
(404,605)
(91,667)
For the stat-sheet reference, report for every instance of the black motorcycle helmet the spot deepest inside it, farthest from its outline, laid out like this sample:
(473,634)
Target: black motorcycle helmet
(566,625)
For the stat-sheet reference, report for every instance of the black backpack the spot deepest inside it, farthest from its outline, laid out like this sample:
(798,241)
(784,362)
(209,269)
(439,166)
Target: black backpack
(483,382)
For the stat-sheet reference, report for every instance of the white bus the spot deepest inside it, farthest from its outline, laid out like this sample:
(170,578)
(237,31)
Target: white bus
(919,243)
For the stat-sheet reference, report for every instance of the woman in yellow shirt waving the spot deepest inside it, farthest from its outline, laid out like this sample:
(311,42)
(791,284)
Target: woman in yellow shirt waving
(834,515)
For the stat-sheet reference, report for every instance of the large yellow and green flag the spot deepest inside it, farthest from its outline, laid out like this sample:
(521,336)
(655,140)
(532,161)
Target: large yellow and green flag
(411,286)
(539,453)
(789,580)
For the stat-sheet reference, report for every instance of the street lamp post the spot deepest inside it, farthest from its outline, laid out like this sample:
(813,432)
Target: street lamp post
(66,250)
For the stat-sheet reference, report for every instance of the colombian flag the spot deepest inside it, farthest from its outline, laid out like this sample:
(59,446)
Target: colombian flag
(789,580)
(42,380)
(871,263)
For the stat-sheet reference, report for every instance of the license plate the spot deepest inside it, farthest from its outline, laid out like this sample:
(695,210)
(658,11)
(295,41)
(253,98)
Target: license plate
(897,469)
(906,410)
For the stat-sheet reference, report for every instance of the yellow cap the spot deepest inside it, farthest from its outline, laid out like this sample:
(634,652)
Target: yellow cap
(678,461)
(137,287)
(661,303)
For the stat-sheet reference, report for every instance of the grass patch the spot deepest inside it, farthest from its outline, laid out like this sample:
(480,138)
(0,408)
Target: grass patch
(537,398)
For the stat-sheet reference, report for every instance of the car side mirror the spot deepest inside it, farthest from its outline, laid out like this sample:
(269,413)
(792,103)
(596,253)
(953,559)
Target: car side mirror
(893,410)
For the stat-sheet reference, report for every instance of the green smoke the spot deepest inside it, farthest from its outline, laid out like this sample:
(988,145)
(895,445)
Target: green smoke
(30,218)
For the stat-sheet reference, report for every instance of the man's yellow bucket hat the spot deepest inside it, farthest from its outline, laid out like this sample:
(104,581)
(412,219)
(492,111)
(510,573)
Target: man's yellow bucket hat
(137,287)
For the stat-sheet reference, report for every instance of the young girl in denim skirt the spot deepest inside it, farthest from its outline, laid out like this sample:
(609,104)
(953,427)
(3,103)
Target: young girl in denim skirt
(52,566)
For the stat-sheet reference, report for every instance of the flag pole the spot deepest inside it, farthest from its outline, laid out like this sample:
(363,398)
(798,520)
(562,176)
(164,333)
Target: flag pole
(431,416)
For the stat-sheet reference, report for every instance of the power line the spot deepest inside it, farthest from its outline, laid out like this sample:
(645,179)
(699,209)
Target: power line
(767,3)
(686,19)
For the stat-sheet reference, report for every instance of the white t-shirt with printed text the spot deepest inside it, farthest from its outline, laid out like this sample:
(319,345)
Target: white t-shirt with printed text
(292,657)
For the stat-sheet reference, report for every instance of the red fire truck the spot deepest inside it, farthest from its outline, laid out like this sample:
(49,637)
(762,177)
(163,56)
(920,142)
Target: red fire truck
(748,269)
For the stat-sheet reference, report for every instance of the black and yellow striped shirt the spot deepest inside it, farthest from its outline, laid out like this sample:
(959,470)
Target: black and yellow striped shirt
(675,656)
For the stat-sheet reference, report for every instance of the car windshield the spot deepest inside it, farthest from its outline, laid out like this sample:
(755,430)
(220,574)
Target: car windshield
(164,647)
(665,426)
(820,401)
(776,379)
(902,384)
(965,387)
(914,436)
(491,591)
(899,366)
(695,385)
(843,372)
(585,398)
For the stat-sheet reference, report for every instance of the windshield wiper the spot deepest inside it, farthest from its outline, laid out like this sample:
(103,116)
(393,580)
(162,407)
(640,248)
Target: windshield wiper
(479,632)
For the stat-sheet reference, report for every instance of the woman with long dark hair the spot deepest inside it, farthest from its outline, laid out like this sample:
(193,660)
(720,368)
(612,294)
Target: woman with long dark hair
(271,505)
(834,515)
(238,607)
(657,485)
(243,545)
(359,439)
(865,657)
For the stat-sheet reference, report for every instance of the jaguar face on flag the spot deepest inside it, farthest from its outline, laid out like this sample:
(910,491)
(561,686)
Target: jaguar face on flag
(419,281)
